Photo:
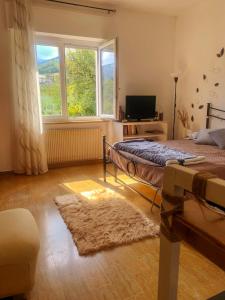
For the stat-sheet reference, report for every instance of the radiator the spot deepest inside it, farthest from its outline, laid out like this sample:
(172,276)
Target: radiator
(73,144)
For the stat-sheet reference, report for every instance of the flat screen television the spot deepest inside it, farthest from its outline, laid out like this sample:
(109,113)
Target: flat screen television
(140,107)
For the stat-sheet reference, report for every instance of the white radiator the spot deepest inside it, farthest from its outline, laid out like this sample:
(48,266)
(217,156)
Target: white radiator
(73,144)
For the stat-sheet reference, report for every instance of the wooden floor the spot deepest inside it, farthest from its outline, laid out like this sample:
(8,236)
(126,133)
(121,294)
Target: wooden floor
(124,273)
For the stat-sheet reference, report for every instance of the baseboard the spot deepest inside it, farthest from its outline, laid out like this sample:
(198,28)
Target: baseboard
(6,172)
(74,163)
(63,165)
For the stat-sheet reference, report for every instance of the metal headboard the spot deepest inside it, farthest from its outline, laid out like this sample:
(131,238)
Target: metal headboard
(210,114)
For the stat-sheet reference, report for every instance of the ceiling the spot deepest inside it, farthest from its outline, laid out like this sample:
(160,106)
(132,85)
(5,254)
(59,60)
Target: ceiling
(168,7)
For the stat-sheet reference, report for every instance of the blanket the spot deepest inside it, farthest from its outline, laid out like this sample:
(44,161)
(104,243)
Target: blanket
(158,153)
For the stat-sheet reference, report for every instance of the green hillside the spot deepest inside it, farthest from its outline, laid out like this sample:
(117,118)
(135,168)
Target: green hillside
(50,66)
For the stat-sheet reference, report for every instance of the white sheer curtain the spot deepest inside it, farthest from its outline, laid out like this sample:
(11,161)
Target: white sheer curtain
(29,151)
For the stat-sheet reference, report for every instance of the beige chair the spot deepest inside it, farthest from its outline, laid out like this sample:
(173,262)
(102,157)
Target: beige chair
(19,246)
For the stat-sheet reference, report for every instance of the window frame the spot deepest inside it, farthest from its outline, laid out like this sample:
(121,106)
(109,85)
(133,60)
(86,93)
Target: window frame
(62,43)
(61,59)
(102,46)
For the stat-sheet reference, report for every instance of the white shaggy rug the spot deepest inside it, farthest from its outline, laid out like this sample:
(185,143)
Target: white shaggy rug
(103,223)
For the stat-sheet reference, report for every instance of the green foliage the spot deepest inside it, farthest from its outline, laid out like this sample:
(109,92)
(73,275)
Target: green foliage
(81,82)
(50,95)
(107,93)
(49,67)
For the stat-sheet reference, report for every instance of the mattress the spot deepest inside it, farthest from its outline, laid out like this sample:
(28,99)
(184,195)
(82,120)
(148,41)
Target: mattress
(153,173)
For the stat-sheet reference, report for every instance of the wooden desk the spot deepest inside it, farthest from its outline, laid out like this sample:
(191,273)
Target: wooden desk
(200,227)
(204,230)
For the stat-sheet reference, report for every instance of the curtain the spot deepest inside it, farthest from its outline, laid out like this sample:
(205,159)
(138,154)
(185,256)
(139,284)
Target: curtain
(29,151)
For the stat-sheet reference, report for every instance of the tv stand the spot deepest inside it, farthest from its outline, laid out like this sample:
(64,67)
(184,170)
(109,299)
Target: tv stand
(138,120)
(154,130)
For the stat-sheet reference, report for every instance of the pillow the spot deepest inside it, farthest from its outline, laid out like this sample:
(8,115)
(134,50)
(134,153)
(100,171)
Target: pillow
(194,135)
(203,138)
(218,136)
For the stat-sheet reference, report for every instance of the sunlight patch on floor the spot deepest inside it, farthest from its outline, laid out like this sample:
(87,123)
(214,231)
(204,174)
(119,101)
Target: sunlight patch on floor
(144,189)
(92,190)
(83,185)
(102,194)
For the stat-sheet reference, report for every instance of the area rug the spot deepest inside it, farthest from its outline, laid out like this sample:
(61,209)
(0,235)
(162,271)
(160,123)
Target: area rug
(104,222)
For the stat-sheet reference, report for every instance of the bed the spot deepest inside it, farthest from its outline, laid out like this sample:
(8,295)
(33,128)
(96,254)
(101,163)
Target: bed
(152,174)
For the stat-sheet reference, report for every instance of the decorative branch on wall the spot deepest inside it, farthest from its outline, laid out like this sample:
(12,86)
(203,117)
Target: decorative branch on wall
(184,118)
(221,53)
(207,89)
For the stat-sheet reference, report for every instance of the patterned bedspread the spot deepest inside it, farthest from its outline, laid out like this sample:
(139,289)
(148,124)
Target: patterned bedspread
(157,153)
(214,161)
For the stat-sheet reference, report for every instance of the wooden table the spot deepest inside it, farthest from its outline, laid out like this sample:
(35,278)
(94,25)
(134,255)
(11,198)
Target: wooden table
(197,225)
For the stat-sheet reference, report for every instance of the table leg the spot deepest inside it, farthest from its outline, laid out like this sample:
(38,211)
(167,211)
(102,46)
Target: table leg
(168,269)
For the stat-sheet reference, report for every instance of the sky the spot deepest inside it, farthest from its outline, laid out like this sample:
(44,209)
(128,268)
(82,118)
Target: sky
(107,58)
(46,52)
(49,52)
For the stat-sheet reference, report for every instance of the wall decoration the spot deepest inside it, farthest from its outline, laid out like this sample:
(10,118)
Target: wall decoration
(206,87)
(184,118)
(221,53)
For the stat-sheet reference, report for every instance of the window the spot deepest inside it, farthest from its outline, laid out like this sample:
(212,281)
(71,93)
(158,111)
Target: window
(49,80)
(76,79)
(108,78)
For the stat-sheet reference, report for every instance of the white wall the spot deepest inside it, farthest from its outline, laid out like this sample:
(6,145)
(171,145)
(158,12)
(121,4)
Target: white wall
(146,55)
(145,46)
(199,37)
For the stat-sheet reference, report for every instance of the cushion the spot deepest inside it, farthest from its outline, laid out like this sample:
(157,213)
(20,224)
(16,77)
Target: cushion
(194,135)
(218,136)
(203,138)
(19,245)
(19,238)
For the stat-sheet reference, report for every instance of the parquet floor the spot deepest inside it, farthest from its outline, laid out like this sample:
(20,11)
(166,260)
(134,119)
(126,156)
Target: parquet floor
(124,273)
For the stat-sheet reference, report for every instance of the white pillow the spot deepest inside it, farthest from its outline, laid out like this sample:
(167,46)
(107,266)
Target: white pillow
(194,135)
(203,137)
(218,136)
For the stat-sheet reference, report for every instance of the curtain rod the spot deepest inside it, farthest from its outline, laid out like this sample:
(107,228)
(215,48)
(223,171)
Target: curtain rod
(83,5)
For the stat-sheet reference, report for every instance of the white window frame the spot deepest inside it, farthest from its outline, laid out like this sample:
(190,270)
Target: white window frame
(63,42)
(102,46)
(54,43)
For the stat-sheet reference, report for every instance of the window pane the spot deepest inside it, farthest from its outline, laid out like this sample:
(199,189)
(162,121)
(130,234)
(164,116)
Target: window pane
(49,79)
(81,81)
(107,56)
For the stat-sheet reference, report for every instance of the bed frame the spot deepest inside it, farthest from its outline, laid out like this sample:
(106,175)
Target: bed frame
(210,114)
(106,159)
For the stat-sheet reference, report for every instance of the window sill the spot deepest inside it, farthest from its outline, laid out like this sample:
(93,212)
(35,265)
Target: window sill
(97,120)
